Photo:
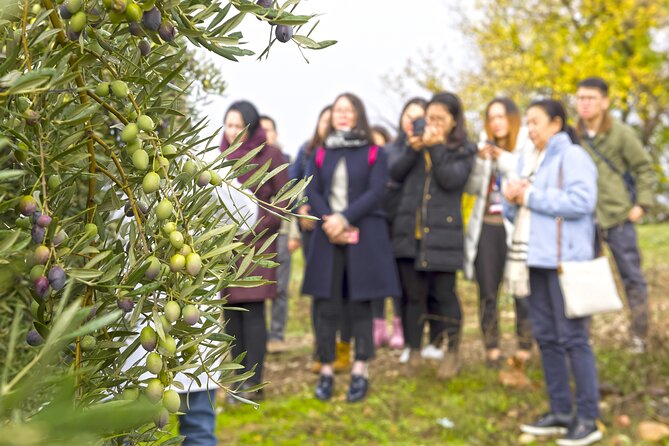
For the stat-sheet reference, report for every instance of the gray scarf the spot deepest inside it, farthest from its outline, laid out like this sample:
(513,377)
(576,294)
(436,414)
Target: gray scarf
(340,139)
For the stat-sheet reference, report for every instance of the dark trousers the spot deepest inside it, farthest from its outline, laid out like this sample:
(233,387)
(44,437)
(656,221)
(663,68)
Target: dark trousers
(379,308)
(338,311)
(565,348)
(198,421)
(279,313)
(489,267)
(250,331)
(622,241)
(418,287)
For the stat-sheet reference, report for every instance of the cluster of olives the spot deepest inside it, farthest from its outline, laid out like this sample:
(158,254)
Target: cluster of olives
(283,33)
(43,281)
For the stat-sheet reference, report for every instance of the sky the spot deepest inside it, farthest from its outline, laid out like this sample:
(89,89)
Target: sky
(375,38)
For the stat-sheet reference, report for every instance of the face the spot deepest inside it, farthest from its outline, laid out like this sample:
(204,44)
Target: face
(323,124)
(413,112)
(378,139)
(498,121)
(343,114)
(591,103)
(234,124)
(270,131)
(440,118)
(540,126)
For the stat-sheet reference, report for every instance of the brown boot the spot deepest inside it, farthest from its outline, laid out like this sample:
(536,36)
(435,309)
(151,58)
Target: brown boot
(315,367)
(449,367)
(343,359)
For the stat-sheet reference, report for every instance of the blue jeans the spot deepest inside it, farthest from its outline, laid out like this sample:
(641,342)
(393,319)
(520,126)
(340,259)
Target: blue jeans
(198,423)
(564,345)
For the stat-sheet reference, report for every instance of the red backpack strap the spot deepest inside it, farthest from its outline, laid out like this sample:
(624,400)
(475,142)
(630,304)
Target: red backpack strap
(320,157)
(372,155)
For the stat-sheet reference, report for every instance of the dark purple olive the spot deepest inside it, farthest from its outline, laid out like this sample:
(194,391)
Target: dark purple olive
(44,221)
(37,233)
(33,338)
(264,3)
(144,47)
(125,304)
(283,33)
(41,287)
(72,35)
(167,31)
(135,29)
(57,278)
(64,12)
(151,19)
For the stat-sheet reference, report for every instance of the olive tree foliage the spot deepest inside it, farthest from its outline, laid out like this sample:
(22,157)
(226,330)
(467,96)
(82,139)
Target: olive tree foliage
(111,223)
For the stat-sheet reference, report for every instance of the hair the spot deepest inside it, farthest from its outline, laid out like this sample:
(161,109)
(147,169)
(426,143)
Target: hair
(316,139)
(554,109)
(413,101)
(249,114)
(458,135)
(381,130)
(361,122)
(267,118)
(595,82)
(513,117)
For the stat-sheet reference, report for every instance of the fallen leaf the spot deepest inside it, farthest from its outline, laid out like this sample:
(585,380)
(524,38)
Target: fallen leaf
(622,420)
(515,378)
(652,431)
(526,439)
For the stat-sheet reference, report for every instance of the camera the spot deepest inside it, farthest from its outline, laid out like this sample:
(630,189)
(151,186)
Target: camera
(418,127)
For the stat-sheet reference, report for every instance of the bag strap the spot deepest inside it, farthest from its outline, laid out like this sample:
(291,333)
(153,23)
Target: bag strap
(372,155)
(608,162)
(320,156)
(559,227)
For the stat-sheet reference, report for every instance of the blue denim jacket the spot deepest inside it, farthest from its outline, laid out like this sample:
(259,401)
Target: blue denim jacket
(574,201)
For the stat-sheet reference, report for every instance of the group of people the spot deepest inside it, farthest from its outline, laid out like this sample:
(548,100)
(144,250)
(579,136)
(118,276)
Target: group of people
(390,223)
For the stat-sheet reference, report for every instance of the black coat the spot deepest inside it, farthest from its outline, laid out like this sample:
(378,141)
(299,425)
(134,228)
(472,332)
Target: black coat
(394,151)
(370,265)
(437,196)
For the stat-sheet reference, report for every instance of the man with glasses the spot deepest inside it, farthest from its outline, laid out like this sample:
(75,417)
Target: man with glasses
(625,193)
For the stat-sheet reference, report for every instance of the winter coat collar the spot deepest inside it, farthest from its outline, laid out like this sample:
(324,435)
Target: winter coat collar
(340,139)
(605,126)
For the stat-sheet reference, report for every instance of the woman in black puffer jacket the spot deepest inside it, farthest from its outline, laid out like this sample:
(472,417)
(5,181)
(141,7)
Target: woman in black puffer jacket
(428,238)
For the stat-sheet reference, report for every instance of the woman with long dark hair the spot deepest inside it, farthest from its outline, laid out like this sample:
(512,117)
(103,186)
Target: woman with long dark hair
(350,262)
(428,228)
(488,230)
(249,327)
(553,204)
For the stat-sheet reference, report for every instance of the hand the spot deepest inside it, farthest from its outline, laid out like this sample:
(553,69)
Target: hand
(485,152)
(636,214)
(294,244)
(341,239)
(522,188)
(333,226)
(306,225)
(496,152)
(514,191)
(416,142)
(433,136)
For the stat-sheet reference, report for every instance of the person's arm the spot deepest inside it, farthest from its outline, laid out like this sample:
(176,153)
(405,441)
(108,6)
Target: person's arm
(296,169)
(451,170)
(640,166)
(474,185)
(577,196)
(266,219)
(371,198)
(316,193)
(405,162)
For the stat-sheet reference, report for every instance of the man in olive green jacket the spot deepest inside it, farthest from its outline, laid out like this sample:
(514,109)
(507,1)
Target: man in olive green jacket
(625,185)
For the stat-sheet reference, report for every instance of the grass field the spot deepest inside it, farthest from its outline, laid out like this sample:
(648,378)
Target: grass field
(415,409)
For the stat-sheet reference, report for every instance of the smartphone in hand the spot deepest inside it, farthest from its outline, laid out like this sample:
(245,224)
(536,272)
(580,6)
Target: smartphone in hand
(418,127)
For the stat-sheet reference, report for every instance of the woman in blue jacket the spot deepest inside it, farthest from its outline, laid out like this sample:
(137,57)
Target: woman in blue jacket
(557,187)
(350,261)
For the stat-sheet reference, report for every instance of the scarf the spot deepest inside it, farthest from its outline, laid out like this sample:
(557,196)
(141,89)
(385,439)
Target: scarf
(517,274)
(340,139)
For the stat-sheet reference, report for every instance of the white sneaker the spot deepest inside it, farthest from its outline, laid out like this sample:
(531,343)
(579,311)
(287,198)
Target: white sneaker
(432,352)
(637,346)
(404,357)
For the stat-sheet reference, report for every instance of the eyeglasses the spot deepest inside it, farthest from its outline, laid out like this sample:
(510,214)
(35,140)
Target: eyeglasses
(583,98)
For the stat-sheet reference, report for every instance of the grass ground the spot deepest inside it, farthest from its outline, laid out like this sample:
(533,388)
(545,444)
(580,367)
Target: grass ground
(412,409)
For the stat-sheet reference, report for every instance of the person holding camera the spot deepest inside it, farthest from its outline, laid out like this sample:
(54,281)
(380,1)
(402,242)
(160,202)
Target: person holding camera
(626,184)
(428,228)
(488,230)
(350,260)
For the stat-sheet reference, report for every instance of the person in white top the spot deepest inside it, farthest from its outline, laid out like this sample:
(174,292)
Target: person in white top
(488,231)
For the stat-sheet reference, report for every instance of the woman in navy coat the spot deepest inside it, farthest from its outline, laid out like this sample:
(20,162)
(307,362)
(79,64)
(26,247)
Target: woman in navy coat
(350,260)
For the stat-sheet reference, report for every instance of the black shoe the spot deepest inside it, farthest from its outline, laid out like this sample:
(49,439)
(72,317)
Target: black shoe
(325,387)
(358,388)
(582,432)
(548,424)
